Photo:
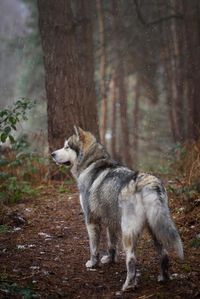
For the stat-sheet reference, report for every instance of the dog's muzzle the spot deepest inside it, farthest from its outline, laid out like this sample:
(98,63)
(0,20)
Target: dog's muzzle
(53,155)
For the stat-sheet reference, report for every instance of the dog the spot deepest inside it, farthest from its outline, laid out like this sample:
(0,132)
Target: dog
(123,200)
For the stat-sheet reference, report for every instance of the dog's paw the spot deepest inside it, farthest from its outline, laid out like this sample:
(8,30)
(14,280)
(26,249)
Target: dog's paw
(105,259)
(90,264)
(162,279)
(130,287)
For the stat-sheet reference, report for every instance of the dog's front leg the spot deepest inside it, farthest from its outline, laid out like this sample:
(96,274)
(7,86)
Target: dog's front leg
(94,239)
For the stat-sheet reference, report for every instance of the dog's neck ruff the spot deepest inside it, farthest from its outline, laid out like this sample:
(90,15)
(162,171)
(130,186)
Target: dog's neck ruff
(97,152)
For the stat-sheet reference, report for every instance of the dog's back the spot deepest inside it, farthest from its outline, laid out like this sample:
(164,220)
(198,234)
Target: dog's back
(103,198)
(119,195)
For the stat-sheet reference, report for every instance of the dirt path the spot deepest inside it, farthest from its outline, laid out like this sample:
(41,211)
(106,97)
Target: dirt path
(45,258)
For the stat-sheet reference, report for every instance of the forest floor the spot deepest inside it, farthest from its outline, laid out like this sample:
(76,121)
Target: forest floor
(43,253)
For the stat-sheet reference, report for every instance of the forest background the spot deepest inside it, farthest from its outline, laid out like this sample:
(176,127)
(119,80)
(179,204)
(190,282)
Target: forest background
(145,58)
(126,70)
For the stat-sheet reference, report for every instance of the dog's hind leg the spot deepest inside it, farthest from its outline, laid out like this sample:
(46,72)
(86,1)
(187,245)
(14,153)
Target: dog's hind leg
(132,224)
(94,231)
(129,242)
(112,237)
(164,259)
(162,228)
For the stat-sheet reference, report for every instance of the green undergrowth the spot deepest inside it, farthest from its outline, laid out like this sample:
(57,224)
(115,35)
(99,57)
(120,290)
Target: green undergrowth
(186,192)
(10,289)
(187,166)
(21,169)
(195,242)
(11,116)
(21,172)
(4,229)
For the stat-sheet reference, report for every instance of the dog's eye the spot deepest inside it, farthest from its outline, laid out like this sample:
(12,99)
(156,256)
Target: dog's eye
(67,147)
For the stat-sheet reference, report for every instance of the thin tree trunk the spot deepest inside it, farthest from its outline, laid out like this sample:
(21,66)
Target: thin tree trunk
(136,123)
(177,69)
(124,114)
(103,115)
(169,98)
(113,123)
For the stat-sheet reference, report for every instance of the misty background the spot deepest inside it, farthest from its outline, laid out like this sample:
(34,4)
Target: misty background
(144,46)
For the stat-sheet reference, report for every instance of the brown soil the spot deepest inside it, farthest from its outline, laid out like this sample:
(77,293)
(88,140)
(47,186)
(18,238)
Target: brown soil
(46,256)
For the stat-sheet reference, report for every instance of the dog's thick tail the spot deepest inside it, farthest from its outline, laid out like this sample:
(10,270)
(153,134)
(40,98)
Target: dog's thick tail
(162,225)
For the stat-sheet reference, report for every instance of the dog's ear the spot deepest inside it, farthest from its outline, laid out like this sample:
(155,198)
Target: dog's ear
(85,137)
(76,131)
(79,132)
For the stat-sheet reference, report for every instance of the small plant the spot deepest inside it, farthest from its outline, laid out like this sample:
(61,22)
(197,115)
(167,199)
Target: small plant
(188,163)
(11,116)
(63,189)
(4,229)
(188,191)
(186,268)
(13,190)
(195,242)
(20,168)
(20,173)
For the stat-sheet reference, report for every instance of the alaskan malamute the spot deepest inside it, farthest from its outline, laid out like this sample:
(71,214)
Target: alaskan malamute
(123,200)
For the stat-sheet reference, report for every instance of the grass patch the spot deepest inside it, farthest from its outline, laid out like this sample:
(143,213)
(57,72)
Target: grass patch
(13,289)
(21,172)
(4,229)
(195,242)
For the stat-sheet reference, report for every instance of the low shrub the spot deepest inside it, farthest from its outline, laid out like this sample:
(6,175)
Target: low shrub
(21,169)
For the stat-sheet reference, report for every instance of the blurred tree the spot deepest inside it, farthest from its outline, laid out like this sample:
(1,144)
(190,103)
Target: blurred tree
(135,113)
(12,23)
(102,70)
(181,59)
(66,34)
(31,70)
(191,11)
(113,114)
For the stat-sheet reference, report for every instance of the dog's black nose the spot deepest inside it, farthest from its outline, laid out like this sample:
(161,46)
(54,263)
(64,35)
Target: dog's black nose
(53,155)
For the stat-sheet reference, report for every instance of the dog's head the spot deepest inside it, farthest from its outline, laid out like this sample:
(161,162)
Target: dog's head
(78,143)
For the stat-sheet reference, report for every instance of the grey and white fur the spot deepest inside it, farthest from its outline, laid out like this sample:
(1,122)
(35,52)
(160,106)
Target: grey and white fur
(123,200)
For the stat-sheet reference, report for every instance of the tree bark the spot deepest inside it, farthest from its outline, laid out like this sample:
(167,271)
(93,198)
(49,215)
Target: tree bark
(123,114)
(192,33)
(169,80)
(103,115)
(68,60)
(178,65)
(136,110)
(120,78)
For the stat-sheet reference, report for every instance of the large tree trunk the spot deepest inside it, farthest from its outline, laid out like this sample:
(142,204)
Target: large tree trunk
(68,59)
(119,70)
(169,79)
